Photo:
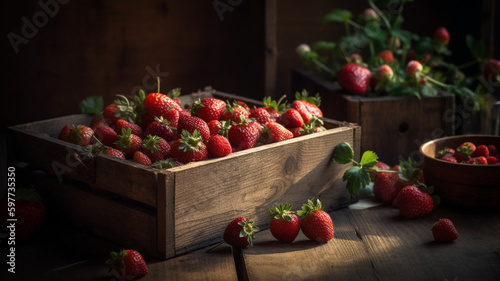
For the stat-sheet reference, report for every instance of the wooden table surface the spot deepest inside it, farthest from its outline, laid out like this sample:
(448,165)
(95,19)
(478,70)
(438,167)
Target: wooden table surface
(369,244)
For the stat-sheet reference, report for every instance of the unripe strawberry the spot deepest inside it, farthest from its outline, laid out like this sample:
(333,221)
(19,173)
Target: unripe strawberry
(355,58)
(303,49)
(413,67)
(369,15)
(441,36)
(382,77)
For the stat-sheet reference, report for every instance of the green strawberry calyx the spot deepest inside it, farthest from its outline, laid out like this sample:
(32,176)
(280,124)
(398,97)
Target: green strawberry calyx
(310,207)
(124,140)
(116,261)
(151,143)
(248,230)
(304,96)
(162,120)
(281,212)
(165,164)
(275,105)
(197,105)
(190,141)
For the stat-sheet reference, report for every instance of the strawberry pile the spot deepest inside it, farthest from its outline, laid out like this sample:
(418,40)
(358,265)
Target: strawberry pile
(154,130)
(469,153)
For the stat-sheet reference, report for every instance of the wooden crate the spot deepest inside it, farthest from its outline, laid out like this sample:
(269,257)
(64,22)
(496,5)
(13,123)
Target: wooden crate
(184,208)
(393,127)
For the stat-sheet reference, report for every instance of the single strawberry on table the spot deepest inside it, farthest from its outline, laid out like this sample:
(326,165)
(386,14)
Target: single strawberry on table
(240,232)
(444,231)
(285,224)
(30,212)
(413,202)
(315,223)
(128,264)
(385,187)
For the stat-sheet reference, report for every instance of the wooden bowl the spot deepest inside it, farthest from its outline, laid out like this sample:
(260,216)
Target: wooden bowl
(462,184)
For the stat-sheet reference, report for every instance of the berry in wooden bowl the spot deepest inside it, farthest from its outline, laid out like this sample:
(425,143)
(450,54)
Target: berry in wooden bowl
(462,184)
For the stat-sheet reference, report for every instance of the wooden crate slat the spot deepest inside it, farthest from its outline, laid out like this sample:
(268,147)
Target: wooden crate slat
(248,184)
(165,214)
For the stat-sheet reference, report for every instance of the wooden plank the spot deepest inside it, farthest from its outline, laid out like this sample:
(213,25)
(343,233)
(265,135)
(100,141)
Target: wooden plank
(378,244)
(217,264)
(402,249)
(165,214)
(342,258)
(126,178)
(118,221)
(247,183)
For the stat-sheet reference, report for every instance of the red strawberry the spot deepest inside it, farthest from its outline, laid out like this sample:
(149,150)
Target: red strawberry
(463,152)
(315,223)
(189,148)
(208,108)
(160,127)
(381,166)
(491,70)
(114,152)
(444,231)
(481,150)
(385,188)
(142,159)
(80,135)
(156,148)
(354,78)
(441,36)
(302,109)
(275,108)
(128,263)
(492,160)
(232,112)
(96,122)
(285,224)
(260,115)
(110,114)
(275,132)
(414,203)
(492,149)
(218,146)
(128,143)
(292,118)
(214,126)
(105,134)
(386,56)
(64,133)
(297,131)
(30,213)
(172,117)
(123,124)
(156,105)
(240,233)
(245,134)
(312,103)
(413,67)
(382,77)
(449,158)
(447,150)
(481,160)
(192,123)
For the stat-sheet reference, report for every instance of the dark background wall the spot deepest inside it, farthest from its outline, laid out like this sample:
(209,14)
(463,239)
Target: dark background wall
(96,47)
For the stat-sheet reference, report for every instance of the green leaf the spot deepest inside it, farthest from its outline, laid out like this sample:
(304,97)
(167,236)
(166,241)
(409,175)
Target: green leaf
(403,35)
(423,45)
(343,153)
(476,48)
(337,16)
(428,91)
(356,178)
(369,159)
(323,45)
(91,105)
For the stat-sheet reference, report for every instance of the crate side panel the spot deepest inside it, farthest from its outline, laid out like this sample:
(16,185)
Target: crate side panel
(165,214)
(396,127)
(105,217)
(126,178)
(248,185)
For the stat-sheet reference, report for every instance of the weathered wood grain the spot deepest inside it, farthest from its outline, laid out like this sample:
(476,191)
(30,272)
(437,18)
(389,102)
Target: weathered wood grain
(378,244)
